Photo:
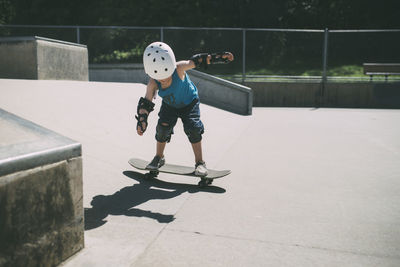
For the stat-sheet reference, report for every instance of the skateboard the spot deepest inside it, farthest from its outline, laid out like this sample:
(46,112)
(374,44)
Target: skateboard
(178,170)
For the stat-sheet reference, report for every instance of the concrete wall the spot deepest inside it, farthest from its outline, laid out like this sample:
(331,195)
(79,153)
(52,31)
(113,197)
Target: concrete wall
(362,95)
(280,94)
(42,58)
(213,91)
(335,94)
(41,194)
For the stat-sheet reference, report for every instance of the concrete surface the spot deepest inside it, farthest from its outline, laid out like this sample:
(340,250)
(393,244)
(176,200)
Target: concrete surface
(41,58)
(41,207)
(309,187)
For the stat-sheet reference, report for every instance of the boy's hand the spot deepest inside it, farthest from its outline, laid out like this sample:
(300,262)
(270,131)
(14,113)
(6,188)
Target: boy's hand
(218,58)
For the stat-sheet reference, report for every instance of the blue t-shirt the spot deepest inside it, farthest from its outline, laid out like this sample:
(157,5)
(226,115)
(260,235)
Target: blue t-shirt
(180,93)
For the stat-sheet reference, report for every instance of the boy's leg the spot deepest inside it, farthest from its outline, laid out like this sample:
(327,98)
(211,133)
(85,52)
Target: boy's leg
(200,167)
(198,152)
(194,129)
(160,149)
(166,122)
(158,160)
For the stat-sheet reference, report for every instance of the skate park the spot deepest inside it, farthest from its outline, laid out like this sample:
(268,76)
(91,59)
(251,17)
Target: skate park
(309,186)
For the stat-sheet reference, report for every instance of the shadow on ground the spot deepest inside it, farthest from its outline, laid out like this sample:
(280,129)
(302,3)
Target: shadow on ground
(124,201)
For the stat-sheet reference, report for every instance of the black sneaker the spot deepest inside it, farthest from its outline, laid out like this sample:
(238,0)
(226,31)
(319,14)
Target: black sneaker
(156,163)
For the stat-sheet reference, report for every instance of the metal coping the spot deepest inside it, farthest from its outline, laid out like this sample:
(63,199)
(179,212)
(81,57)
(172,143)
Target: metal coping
(46,147)
(36,38)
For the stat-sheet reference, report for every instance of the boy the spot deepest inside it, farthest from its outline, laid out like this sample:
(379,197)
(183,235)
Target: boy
(180,99)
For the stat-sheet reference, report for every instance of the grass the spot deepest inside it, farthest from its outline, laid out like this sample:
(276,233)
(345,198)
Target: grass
(337,73)
(345,70)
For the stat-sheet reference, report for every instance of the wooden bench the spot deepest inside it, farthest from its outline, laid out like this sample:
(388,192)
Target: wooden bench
(385,69)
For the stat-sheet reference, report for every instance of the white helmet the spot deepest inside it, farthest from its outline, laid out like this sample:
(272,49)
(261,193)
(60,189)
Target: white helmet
(159,60)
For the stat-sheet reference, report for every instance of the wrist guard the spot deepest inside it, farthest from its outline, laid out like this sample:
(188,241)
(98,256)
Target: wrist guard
(200,60)
(142,117)
(145,104)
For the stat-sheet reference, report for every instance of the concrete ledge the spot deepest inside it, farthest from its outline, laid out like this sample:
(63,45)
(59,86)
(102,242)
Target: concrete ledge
(42,58)
(41,222)
(223,94)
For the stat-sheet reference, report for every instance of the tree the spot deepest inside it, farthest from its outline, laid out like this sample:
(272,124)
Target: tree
(6,11)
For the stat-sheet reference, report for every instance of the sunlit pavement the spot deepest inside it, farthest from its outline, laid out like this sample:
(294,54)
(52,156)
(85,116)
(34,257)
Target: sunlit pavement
(309,187)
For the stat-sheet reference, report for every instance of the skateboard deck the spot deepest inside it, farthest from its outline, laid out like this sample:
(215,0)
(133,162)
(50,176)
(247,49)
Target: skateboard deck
(179,170)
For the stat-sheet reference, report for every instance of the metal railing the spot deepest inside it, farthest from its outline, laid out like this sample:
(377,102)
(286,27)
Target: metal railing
(257,46)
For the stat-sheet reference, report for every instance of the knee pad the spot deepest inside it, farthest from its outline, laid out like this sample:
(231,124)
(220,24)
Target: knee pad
(163,133)
(194,135)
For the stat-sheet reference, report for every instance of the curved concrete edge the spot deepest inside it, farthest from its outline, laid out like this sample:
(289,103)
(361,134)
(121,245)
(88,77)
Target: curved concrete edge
(39,158)
(26,145)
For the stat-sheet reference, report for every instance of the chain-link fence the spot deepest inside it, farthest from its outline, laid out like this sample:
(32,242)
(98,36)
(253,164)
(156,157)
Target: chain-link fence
(259,53)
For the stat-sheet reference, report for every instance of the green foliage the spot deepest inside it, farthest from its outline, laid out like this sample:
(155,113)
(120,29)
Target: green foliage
(131,56)
(205,13)
(344,70)
(7,11)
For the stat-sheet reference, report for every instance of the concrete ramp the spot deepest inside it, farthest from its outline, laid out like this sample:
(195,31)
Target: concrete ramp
(309,187)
